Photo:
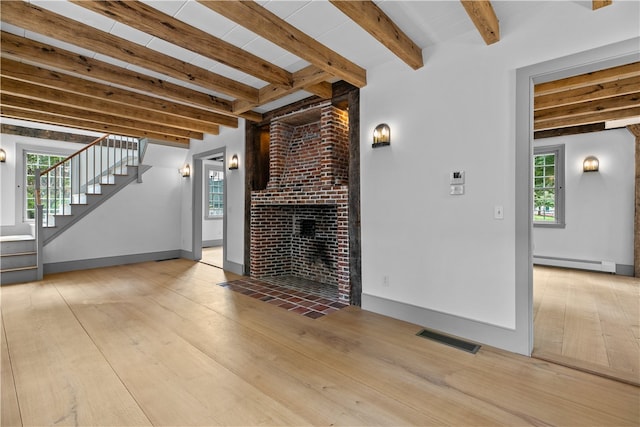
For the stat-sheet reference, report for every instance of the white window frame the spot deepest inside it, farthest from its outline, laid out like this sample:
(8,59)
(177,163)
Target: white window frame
(207,169)
(559,169)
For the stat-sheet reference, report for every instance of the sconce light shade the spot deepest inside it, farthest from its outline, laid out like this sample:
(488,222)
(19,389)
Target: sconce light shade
(381,135)
(185,171)
(590,164)
(233,164)
(3,155)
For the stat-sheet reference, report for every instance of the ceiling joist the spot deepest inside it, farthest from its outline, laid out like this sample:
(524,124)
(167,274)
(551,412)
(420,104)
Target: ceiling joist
(21,48)
(42,21)
(373,20)
(60,97)
(151,21)
(259,20)
(199,118)
(37,105)
(91,125)
(585,99)
(484,18)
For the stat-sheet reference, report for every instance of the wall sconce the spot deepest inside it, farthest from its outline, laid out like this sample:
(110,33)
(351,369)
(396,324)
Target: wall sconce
(3,155)
(381,135)
(590,164)
(185,171)
(233,164)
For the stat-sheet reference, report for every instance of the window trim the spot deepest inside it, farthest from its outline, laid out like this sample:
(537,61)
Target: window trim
(558,151)
(217,168)
(21,173)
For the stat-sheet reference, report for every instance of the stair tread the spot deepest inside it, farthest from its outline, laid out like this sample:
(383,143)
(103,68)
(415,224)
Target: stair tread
(19,253)
(9,270)
(17,238)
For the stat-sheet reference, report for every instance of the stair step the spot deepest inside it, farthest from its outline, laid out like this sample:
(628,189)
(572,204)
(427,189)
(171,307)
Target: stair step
(9,270)
(19,275)
(18,254)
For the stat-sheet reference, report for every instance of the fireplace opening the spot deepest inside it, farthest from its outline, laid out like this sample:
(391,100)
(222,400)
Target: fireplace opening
(307,228)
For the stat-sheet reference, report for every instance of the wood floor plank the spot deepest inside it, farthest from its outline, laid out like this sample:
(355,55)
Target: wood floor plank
(600,321)
(188,352)
(60,376)
(174,382)
(9,409)
(411,382)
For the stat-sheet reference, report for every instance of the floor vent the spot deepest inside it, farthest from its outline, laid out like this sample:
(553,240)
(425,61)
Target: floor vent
(450,341)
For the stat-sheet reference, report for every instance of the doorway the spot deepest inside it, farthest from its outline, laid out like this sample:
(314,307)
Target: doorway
(589,61)
(209,224)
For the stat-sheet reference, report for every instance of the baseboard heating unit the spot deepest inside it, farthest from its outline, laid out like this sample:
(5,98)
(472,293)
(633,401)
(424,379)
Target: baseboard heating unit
(604,266)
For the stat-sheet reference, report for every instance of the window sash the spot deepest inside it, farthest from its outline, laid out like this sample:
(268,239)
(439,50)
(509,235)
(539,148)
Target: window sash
(548,186)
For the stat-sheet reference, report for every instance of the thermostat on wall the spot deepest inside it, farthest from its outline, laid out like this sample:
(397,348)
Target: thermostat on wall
(456,178)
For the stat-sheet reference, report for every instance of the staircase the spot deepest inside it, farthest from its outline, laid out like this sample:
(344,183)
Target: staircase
(18,255)
(67,192)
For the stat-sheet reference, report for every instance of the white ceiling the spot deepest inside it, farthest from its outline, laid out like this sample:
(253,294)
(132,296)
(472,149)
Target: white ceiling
(427,23)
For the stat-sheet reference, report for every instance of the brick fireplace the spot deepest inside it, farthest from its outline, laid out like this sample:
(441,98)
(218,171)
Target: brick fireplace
(299,223)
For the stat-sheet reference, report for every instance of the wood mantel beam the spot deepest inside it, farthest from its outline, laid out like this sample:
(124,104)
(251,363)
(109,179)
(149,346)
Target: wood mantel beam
(373,20)
(151,21)
(484,18)
(261,21)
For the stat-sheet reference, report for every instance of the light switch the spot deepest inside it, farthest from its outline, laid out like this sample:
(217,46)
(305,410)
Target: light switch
(498,212)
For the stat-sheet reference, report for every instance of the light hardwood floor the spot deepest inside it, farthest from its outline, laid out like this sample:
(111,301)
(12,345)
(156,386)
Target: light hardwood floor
(588,320)
(213,256)
(161,344)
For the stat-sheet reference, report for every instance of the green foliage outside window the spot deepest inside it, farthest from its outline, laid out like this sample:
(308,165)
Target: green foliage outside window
(56,183)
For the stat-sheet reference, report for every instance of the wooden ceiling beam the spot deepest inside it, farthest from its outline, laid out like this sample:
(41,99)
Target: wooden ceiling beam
(151,21)
(586,118)
(302,80)
(588,79)
(484,18)
(41,21)
(374,21)
(16,47)
(60,97)
(597,4)
(52,119)
(587,108)
(36,105)
(593,92)
(53,79)
(261,21)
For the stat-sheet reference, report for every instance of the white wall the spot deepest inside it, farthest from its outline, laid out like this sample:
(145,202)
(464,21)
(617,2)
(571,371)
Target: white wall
(600,205)
(447,254)
(141,218)
(233,141)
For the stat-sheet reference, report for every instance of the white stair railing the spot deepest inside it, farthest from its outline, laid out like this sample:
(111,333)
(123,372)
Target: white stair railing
(69,181)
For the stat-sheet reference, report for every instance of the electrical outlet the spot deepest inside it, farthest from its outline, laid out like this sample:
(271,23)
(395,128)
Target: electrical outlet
(385,281)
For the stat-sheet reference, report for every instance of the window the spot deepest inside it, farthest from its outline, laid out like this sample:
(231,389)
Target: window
(548,186)
(215,192)
(57,182)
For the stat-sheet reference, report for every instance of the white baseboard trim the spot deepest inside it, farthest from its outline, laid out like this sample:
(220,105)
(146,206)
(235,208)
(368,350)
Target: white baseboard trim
(581,264)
